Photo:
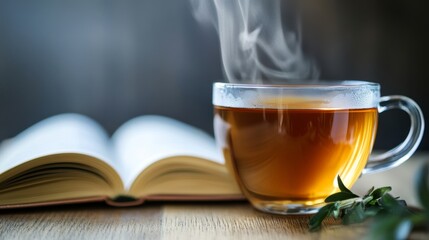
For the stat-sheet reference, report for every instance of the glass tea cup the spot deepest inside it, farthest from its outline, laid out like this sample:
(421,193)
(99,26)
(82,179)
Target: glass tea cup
(286,144)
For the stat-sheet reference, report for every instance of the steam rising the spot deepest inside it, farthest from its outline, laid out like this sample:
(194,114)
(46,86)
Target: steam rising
(255,48)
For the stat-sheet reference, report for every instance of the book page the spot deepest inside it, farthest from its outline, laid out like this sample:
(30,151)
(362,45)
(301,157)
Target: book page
(143,140)
(63,133)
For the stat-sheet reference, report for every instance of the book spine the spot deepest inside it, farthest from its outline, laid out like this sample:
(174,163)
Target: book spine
(116,203)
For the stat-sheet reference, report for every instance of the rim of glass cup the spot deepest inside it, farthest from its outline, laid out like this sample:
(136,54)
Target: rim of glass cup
(346,94)
(320,84)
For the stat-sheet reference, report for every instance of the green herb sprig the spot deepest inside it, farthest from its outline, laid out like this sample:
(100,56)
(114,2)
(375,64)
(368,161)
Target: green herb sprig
(393,219)
(352,208)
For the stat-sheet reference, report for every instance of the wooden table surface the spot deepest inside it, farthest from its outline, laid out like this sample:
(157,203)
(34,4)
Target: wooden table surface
(194,220)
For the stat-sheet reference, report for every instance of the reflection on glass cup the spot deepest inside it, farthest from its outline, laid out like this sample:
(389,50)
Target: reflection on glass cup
(286,144)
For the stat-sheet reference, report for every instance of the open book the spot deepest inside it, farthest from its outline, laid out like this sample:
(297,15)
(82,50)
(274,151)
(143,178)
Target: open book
(70,158)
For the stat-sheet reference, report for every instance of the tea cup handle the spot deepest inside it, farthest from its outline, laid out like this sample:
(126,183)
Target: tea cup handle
(402,152)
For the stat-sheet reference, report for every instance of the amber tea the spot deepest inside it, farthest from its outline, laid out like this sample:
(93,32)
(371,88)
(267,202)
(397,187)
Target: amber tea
(286,144)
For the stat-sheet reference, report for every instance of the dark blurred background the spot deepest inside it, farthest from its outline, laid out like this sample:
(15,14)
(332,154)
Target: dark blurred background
(114,60)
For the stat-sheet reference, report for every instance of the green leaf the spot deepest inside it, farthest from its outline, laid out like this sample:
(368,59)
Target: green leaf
(339,196)
(379,192)
(341,185)
(324,212)
(422,186)
(393,206)
(371,211)
(355,215)
(370,191)
(388,201)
